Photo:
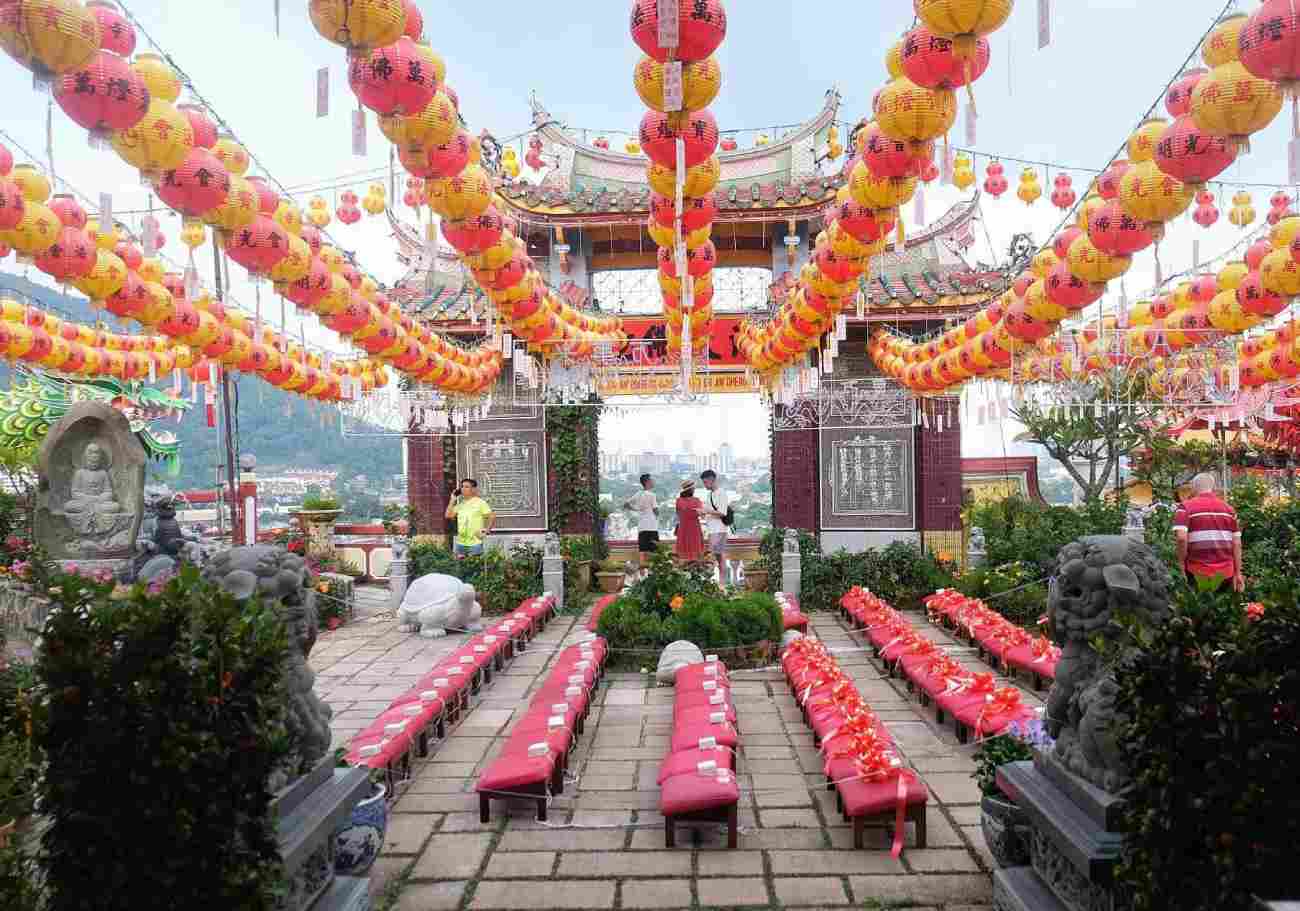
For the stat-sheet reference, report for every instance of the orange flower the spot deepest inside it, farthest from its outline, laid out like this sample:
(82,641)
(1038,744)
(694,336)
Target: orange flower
(676,603)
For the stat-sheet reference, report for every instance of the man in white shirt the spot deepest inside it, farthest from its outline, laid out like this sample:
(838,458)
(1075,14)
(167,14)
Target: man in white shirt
(717,511)
(647,521)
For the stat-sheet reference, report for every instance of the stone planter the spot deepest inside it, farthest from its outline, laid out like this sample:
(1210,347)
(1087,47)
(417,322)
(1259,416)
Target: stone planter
(361,838)
(756,579)
(318,528)
(1006,830)
(610,583)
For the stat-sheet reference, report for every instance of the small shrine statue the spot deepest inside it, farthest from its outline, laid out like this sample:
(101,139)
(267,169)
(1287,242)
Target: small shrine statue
(92,494)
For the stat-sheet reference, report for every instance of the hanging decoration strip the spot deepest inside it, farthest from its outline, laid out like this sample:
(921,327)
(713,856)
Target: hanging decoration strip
(1215,111)
(918,106)
(383,40)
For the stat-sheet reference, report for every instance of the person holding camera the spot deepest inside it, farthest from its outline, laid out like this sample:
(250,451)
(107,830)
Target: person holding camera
(719,517)
(474,520)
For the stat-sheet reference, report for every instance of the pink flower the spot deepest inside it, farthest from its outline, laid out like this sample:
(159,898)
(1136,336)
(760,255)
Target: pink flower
(72,569)
(1254,611)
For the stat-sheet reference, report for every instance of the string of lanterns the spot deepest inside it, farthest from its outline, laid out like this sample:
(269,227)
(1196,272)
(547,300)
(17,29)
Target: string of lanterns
(947,51)
(1168,164)
(681,116)
(380,36)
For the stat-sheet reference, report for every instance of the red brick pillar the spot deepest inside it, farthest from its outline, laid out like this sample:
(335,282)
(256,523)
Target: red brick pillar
(426,486)
(796,479)
(939,476)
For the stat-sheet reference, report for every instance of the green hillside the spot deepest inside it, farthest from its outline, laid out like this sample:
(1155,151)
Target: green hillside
(281,429)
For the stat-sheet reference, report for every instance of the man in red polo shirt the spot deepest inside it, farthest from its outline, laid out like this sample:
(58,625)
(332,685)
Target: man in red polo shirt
(1207,536)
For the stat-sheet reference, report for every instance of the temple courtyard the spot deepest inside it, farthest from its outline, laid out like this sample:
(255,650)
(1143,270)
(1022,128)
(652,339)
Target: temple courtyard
(603,843)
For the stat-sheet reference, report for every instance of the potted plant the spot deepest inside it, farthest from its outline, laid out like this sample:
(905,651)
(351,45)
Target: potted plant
(359,840)
(756,576)
(610,576)
(1006,830)
(579,550)
(317,515)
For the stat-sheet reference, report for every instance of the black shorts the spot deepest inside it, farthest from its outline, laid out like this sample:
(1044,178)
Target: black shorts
(647,542)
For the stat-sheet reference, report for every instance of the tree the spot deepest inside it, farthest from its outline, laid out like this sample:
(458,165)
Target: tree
(1167,464)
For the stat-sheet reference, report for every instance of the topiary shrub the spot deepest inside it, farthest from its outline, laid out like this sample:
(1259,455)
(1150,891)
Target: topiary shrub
(164,716)
(501,578)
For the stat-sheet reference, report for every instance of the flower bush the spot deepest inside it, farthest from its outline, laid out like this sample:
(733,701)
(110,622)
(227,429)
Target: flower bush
(1014,590)
(1017,530)
(501,578)
(1020,743)
(901,573)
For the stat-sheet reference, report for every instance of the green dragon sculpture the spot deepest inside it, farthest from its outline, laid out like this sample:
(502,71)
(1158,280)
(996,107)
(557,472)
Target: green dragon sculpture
(36,400)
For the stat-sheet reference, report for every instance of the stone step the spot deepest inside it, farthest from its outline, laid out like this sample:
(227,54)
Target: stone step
(319,815)
(1020,889)
(292,796)
(1091,849)
(346,893)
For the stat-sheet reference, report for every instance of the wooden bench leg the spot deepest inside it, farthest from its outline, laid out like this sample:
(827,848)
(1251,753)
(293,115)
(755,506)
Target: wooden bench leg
(963,734)
(920,826)
(484,808)
(733,825)
(541,809)
(670,833)
(859,832)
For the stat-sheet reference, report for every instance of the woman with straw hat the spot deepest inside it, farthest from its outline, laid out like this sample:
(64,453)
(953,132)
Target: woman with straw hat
(690,538)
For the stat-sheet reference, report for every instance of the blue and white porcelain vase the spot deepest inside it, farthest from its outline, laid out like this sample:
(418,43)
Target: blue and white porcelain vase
(359,841)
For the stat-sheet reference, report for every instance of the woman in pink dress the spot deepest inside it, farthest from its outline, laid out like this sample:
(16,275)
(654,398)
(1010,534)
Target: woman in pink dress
(690,539)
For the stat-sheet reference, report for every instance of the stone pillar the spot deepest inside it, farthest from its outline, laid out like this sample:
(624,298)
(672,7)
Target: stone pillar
(245,514)
(426,486)
(791,564)
(976,553)
(397,573)
(553,568)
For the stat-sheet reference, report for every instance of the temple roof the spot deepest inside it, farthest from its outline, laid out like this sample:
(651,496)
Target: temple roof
(790,177)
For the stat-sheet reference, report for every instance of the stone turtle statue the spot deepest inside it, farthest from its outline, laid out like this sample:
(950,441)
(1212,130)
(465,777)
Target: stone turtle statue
(1095,578)
(438,603)
(676,655)
(272,573)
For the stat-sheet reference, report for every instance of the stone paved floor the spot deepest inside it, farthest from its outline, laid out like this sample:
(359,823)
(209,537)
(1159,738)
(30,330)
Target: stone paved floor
(603,845)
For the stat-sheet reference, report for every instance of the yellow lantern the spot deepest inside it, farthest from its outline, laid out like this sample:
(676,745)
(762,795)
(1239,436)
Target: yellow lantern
(333,259)
(1087,208)
(1284,232)
(1242,213)
(295,264)
(337,298)
(467,195)
(963,20)
(36,233)
(151,270)
(1040,306)
(1043,263)
(963,171)
(1226,314)
(358,24)
(34,184)
(762,140)
(1232,275)
(158,76)
(240,208)
(49,36)
(159,306)
(433,126)
(433,60)
(289,217)
(1142,144)
(193,234)
(894,60)
(701,82)
(231,154)
(1091,265)
(1280,273)
(1221,45)
(700,180)
(510,161)
(879,192)
(907,112)
(105,279)
(1232,101)
(1029,189)
(375,203)
(160,142)
(1150,195)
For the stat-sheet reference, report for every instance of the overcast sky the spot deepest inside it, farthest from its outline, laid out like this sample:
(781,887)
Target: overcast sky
(1075,102)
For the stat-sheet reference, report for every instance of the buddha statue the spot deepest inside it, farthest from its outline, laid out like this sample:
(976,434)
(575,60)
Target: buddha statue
(92,492)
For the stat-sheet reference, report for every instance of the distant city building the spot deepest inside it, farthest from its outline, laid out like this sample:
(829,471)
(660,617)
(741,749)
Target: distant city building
(726,458)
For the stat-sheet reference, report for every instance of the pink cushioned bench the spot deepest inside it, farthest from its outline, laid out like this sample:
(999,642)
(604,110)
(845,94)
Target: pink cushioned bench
(697,779)
(532,763)
(597,609)
(792,618)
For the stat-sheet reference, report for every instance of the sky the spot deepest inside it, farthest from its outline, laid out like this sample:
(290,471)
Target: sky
(1074,103)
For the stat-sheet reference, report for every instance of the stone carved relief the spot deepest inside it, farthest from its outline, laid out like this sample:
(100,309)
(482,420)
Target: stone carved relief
(91,498)
(1064,879)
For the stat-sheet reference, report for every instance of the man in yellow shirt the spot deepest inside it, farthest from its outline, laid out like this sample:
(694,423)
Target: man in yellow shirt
(474,519)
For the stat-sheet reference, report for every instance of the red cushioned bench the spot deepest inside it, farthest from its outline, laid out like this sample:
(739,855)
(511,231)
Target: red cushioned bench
(697,779)
(791,617)
(533,761)
(599,608)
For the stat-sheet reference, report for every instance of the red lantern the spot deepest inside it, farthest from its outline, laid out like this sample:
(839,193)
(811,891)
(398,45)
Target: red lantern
(198,186)
(994,183)
(659,137)
(311,234)
(885,157)
(312,288)
(414,20)
(1203,289)
(130,254)
(728,144)
(1257,301)
(929,170)
(1178,100)
(865,225)
(6,160)
(1256,252)
(104,96)
(1067,290)
(72,256)
(1024,327)
(260,246)
(1108,182)
(1063,196)
(697,211)
(1116,233)
(349,215)
(1206,213)
(1190,154)
(1280,207)
(268,201)
(839,269)
(393,80)
(131,298)
(205,131)
(68,210)
(474,235)
(449,159)
(1269,43)
(929,60)
(116,34)
(1061,245)
(701,26)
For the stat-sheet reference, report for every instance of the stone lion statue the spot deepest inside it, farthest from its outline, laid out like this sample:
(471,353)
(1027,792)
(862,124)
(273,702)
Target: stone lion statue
(438,603)
(1095,577)
(274,574)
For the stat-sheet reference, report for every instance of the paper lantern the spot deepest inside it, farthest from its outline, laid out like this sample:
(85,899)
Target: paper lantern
(239,209)
(865,224)
(1222,45)
(1190,154)
(433,125)
(12,204)
(879,192)
(48,36)
(440,161)
(1070,292)
(70,257)
(358,24)
(1063,195)
(115,32)
(963,173)
(159,141)
(310,289)
(930,60)
(231,154)
(1029,189)
(963,20)
(1233,102)
(348,214)
(1023,327)
(69,211)
(464,196)
(701,82)
(1256,298)
(474,234)
(296,263)
(35,232)
(1113,231)
(1269,44)
(887,157)
(158,76)
(995,184)
(102,95)
(701,26)
(1178,100)
(205,130)
(105,278)
(259,246)
(659,136)
(392,80)
(34,184)
(1206,214)
(1280,274)
(1148,194)
(700,179)
(911,113)
(1092,265)
(198,186)
(1242,213)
